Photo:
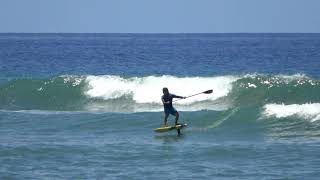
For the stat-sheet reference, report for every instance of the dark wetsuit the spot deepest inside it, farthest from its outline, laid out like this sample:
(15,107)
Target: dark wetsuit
(168,108)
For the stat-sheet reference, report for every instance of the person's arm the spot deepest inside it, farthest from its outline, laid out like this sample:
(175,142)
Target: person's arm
(175,96)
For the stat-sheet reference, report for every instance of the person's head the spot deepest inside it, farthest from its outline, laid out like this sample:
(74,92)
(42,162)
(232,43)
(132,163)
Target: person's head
(165,91)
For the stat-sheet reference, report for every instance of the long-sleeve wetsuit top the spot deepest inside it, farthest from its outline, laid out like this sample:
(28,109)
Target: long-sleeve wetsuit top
(169,97)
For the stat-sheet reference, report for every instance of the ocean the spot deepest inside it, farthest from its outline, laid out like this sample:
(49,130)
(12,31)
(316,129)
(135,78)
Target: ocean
(84,106)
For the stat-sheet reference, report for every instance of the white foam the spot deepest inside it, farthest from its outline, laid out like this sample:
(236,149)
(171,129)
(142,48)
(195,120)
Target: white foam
(296,76)
(149,89)
(293,76)
(309,111)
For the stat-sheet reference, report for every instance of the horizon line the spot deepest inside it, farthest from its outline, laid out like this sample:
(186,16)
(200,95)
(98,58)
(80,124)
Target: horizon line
(159,32)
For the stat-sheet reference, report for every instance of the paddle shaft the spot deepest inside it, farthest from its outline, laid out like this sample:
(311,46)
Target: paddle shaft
(205,92)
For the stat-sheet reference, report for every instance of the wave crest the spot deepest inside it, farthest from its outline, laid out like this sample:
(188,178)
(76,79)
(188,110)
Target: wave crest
(149,89)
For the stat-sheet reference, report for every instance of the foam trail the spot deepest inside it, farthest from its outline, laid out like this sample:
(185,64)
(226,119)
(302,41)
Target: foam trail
(310,111)
(149,89)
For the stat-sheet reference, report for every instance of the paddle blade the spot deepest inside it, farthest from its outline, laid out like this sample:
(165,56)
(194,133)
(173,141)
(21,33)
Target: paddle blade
(208,92)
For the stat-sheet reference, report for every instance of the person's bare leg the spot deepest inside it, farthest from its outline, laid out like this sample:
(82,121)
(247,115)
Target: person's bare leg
(177,117)
(166,119)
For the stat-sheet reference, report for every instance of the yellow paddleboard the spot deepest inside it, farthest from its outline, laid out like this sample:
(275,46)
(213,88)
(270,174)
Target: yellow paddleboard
(169,128)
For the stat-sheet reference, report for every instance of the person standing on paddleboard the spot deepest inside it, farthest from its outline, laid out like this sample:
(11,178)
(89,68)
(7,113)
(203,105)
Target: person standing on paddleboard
(167,104)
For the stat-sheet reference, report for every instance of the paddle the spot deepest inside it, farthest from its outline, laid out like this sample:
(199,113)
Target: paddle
(204,92)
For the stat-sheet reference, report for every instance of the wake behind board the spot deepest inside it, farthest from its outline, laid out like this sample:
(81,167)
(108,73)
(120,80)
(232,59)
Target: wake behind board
(170,128)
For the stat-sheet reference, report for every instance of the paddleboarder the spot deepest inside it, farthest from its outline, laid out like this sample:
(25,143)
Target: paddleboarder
(167,104)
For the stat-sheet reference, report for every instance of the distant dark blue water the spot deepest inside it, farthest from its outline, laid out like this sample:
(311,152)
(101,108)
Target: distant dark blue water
(47,55)
(84,106)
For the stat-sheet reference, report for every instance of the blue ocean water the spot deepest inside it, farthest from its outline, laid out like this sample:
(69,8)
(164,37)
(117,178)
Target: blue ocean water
(84,106)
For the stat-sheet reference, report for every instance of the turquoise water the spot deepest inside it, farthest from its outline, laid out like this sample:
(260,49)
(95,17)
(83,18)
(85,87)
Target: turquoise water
(40,145)
(84,106)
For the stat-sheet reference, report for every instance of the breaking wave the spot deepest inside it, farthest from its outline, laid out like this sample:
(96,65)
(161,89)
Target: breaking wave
(278,96)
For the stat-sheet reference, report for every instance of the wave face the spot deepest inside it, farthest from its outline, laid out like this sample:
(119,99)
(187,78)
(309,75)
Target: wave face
(276,96)
(59,93)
